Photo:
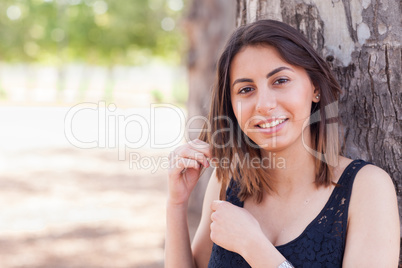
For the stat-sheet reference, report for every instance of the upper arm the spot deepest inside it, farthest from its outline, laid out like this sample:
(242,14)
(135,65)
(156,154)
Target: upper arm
(202,243)
(373,226)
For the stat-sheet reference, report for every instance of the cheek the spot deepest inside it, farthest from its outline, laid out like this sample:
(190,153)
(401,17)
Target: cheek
(300,103)
(243,111)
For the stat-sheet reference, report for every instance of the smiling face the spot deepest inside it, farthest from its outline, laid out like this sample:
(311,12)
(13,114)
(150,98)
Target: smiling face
(271,98)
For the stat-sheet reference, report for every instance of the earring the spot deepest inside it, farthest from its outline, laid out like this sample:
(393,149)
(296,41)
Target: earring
(317,97)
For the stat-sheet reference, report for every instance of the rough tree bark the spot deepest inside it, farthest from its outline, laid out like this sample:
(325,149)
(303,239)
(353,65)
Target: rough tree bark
(208,25)
(361,41)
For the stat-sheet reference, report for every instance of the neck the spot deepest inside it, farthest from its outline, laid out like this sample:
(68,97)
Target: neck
(292,170)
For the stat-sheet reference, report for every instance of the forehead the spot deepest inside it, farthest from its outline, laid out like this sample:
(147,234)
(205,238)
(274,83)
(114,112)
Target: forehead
(254,59)
(258,60)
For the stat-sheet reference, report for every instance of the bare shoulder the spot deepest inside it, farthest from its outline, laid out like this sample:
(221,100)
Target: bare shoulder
(373,190)
(373,223)
(369,179)
(372,182)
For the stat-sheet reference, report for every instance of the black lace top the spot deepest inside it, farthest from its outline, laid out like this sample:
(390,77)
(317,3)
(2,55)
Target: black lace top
(321,244)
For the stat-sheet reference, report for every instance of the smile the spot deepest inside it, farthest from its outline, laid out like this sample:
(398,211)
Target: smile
(272,124)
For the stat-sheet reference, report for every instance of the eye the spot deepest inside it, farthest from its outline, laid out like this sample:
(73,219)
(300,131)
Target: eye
(245,90)
(281,81)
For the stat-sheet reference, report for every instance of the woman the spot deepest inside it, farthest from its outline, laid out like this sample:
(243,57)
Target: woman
(285,193)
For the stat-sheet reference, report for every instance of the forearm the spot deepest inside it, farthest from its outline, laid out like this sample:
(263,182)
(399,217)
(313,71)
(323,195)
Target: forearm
(177,245)
(261,253)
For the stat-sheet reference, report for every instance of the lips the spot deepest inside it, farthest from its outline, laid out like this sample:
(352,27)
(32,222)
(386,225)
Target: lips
(271,122)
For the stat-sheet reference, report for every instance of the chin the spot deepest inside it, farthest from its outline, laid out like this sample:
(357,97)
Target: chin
(277,145)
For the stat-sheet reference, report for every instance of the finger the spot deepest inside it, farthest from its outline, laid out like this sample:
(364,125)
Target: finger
(189,152)
(201,159)
(201,146)
(183,164)
(213,216)
(213,234)
(195,149)
(216,204)
(211,226)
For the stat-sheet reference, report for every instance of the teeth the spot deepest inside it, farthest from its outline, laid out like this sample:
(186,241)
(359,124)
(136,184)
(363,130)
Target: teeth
(272,124)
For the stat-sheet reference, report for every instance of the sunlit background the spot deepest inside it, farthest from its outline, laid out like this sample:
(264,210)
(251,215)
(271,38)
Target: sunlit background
(92,99)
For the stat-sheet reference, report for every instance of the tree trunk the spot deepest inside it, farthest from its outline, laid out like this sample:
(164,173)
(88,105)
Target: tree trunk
(361,41)
(208,26)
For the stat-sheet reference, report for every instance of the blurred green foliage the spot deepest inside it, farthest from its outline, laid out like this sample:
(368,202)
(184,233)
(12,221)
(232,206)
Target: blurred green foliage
(180,92)
(102,32)
(157,95)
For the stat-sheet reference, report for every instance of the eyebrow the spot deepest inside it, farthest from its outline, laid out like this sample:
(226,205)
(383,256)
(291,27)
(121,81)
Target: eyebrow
(271,73)
(277,70)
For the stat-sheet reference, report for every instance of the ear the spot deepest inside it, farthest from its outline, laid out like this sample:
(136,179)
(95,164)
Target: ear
(316,95)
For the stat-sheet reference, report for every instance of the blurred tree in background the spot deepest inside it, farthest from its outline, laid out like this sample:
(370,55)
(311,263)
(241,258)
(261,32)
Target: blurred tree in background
(100,32)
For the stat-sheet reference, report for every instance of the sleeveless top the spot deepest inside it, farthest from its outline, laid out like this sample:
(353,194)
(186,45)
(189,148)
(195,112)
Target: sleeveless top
(321,244)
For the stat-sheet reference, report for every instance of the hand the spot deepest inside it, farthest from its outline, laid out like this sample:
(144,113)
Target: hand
(185,167)
(233,227)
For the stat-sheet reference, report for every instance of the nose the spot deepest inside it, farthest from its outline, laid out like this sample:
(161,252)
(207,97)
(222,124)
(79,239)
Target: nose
(266,101)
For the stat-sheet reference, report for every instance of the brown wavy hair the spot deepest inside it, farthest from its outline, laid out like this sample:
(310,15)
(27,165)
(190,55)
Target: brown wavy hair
(235,146)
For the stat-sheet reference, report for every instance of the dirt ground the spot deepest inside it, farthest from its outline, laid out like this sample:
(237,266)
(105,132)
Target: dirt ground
(69,207)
